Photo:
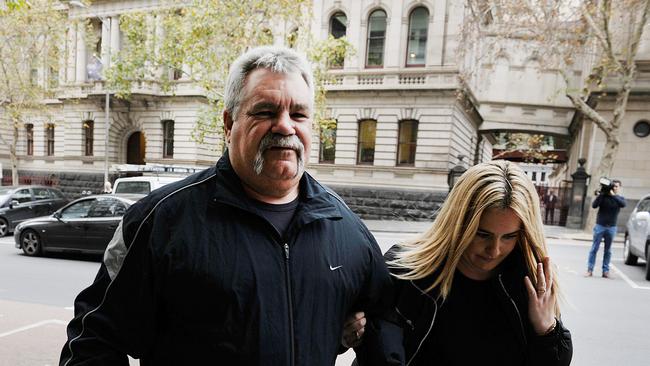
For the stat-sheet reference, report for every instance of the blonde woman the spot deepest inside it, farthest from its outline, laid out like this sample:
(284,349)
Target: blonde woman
(477,287)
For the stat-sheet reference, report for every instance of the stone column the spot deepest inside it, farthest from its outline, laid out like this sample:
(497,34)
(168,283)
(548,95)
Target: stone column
(80,76)
(106,25)
(115,35)
(578,195)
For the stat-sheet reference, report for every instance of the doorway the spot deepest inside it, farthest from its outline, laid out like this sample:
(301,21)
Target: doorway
(135,148)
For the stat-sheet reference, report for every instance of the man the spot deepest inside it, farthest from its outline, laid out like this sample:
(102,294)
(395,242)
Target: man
(549,206)
(251,262)
(608,203)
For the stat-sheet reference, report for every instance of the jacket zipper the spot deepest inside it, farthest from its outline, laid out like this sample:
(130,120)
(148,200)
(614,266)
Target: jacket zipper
(521,323)
(290,302)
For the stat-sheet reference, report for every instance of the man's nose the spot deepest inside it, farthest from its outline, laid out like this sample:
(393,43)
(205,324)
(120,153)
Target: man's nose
(284,124)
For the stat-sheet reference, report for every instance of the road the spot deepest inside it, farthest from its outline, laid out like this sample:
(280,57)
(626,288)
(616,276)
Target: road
(609,318)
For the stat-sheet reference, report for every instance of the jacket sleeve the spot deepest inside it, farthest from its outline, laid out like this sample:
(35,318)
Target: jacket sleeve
(114,316)
(382,343)
(620,200)
(596,202)
(555,349)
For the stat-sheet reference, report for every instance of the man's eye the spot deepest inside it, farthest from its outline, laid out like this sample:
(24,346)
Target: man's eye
(264,114)
(298,116)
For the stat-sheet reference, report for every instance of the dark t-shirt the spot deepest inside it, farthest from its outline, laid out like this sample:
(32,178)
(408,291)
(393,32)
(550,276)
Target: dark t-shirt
(279,216)
(471,328)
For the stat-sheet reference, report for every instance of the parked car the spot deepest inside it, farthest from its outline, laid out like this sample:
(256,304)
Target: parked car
(20,203)
(637,235)
(141,185)
(85,225)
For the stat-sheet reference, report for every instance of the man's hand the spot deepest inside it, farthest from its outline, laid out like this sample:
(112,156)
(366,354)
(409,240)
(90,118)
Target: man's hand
(353,329)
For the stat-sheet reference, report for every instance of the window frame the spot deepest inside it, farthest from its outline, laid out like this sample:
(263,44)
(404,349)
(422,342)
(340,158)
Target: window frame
(49,139)
(408,37)
(336,14)
(413,143)
(88,127)
(321,160)
(369,38)
(29,136)
(167,139)
(360,142)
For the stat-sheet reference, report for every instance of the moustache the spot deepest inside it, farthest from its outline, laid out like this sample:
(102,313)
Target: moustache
(271,140)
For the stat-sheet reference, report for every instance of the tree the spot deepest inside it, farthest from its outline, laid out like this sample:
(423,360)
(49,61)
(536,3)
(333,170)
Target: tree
(601,36)
(31,33)
(198,40)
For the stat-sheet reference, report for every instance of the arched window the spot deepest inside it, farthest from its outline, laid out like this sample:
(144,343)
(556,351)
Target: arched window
(327,141)
(407,141)
(366,141)
(376,39)
(88,132)
(417,42)
(49,139)
(29,134)
(338,29)
(168,139)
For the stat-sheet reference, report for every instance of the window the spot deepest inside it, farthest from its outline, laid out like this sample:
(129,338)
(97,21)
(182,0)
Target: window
(104,207)
(417,42)
(22,196)
(543,176)
(78,210)
(366,145)
(168,139)
(49,139)
(88,131)
(338,29)
(376,39)
(29,133)
(534,178)
(408,135)
(642,128)
(41,194)
(327,141)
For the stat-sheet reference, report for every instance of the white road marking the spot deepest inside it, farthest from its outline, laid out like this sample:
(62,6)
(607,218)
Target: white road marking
(32,326)
(628,280)
(69,308)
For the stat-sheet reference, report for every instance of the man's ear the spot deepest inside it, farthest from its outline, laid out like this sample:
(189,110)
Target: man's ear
(227,125)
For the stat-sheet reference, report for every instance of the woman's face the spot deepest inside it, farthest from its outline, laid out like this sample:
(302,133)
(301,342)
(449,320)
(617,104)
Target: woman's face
(496,237)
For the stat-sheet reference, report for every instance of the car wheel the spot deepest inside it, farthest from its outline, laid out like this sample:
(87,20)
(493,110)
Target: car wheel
(629,258)
(31,243)
(4,227)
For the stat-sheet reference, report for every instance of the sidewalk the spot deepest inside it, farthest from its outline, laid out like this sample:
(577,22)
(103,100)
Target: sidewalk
(550,232)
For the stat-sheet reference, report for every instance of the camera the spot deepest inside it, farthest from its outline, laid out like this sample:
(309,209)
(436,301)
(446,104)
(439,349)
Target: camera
(606,186)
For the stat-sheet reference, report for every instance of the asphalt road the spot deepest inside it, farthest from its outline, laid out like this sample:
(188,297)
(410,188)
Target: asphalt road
(609,318)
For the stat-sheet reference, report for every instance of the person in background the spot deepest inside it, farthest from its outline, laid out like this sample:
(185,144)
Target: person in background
(477,288)
(549,201)
(609,204)
(251,262)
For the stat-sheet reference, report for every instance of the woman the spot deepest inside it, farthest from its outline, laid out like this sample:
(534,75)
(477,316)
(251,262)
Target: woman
(476,288)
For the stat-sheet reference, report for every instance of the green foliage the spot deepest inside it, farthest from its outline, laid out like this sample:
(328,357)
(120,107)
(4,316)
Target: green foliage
(193,43)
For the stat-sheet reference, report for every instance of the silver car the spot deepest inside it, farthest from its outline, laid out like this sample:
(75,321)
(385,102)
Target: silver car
(637,235)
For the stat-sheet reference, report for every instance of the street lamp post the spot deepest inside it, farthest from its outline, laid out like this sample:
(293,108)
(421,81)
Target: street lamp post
(105,65)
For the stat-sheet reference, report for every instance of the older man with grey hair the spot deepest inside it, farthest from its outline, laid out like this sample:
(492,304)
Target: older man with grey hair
(251,262)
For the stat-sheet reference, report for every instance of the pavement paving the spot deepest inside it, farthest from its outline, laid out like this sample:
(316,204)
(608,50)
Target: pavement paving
(550,231)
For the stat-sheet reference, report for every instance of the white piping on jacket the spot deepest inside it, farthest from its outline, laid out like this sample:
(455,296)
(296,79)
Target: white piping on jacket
(435,312)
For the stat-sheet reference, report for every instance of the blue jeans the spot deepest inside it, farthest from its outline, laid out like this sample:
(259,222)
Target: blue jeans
(600,232)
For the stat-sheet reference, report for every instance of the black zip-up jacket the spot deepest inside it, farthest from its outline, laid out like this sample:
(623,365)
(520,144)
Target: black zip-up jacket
(194,277)
(399,336)
(608,205)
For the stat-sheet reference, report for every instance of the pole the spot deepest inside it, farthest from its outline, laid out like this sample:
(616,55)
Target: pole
(107,123)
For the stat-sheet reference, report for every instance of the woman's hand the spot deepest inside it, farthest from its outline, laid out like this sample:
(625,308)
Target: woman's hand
(353,329)
(541,300)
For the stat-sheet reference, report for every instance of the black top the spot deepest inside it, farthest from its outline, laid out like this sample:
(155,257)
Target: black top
(279,215)
(472,315)
(610,205)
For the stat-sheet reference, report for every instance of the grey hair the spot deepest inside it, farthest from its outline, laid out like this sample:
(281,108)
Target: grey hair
(277,59)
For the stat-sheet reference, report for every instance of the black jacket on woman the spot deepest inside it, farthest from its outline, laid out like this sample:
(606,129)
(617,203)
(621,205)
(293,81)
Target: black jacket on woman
(400,337)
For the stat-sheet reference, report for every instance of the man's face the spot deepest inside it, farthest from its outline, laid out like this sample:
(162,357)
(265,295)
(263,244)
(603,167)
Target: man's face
(270,138)
(615,187)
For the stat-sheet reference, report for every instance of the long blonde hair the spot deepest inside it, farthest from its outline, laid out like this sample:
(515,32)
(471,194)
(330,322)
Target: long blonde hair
(497,183)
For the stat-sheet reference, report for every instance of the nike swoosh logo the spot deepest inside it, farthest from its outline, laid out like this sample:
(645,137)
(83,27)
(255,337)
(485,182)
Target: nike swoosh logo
(334,268)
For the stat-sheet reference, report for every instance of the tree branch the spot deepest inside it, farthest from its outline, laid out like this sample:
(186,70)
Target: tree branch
(585,109)
(603,39)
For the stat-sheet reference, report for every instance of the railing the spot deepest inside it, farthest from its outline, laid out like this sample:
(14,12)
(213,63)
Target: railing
(441,78)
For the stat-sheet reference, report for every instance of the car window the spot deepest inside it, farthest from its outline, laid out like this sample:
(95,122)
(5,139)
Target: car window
(22,196)
(107,207)
(77,210)
(41,194)
(133,187)
(55,194)
(644,206)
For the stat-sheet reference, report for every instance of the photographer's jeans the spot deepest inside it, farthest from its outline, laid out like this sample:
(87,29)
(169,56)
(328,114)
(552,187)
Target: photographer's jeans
(600,232)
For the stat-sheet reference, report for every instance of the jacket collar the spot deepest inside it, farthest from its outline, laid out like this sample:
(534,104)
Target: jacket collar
(315,202)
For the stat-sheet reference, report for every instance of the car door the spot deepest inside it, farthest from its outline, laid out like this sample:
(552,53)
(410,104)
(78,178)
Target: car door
(639,228)
(42,202)
(23,210)
(69,230)
(103,217)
